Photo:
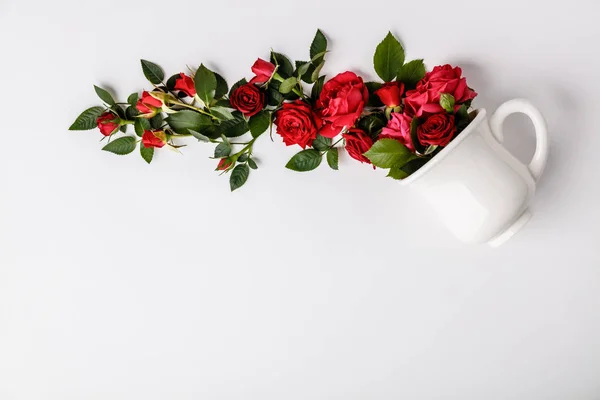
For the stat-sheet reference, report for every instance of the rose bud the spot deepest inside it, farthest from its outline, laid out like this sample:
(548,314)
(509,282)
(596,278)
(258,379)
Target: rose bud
(263,70)
(248,99)
(224,164)
(185,84)
(358,143)
(391,93)
(297,123)
(148,105)
(398,128)
(154,139)
(437,130)
(108,123)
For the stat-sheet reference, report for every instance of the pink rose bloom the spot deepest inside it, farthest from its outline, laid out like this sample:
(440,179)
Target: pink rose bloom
(398,128)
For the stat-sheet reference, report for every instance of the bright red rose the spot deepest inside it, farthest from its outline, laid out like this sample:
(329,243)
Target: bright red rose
(185,84)
(148,106)
(425,99)
(437,130)
(154,139)
(223,164)
(248,99)
(329,131)
(358,143)
(263,71)
(398,128)
(108,123)
(297,123)
(342,100)
(390,93)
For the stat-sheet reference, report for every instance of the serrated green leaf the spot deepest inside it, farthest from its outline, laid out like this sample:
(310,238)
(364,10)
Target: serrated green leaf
(87,119)
(236,85)
(133,99)
(306,160)
(252,164)
(411,73)
(147,153)
(140,125)
(104,96)
(121,146)
(131,112)
(285,68)
(372,124)
(156,122)
(317,87)
(288,85)
(239,176)
(123,128)
(321,143)
(302,68)
(447,102)
(172,81)
(243,158)
(234,127)
(413,165)
(223,150)
(206,84)
(184,121)
(318,47)
(221,113)
(315,74)
(388,152)
(221,89)
(259,123)
(152,72)
(274,98)
(396,173)
(388,58)
(332,158)
(199,136)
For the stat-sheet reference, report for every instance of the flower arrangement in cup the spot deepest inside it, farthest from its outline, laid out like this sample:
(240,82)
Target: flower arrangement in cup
(398,124)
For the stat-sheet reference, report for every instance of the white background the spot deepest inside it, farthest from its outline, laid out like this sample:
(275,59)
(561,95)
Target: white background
(121,280)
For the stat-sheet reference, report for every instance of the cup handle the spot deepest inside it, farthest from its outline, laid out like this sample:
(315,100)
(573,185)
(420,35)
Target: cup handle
(537,164)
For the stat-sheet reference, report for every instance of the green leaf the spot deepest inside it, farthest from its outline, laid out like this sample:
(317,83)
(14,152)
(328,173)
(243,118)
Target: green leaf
(121,146)
(147,153)
(187,120)
(411,73)
(140,125)
(374,100)
(236,85)
(152,72)
(252,164)
(223,150)
(133,99)
(332,158)
(243,158)
(288,85)
(234,127)
(274,98)
(206,84)
(321,143)
(447,102)
(389,57)
(131,112)
(285,65)
(239,176)
(318,46)
(123,128)
(315,74)
(87,119)
(221,113)
(462,119)
(199,136)
(222,88)
(413,165)
(396,173)
(306,160)
(259,123)
(156,122)
(388,152)
(302,68)
(317,87)
(172,81)
(372,124)
(414,137)
(104,96)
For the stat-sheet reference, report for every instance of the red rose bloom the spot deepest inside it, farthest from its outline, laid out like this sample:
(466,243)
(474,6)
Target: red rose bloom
(185,84)
(358,143)
(425,99)
(398,128)
(297,124)
(390,93)
(248,99)
(108,123)
(148,106)
(154,139)
(223,164)
(437,130)
(342,100)
(263,71)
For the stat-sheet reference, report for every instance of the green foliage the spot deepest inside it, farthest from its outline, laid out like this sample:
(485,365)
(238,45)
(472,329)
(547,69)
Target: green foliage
(306,160)
(239,176)
(317,87)
(321,143)
(185,121)
(140,125)
(156,122)
(372,124)
(252,164)
(104,96)
(259,123)
(121,146)
(223,149)
(374,100)
(205,82)
(411,73)
(147,153)
(286,69)
(332,158)
(388,58)
(221,89)
(318,47)
(152,72)
(386,153)
(236,85)
(288,85)
(233,127)
(447,102)
(87,119)
(133,99)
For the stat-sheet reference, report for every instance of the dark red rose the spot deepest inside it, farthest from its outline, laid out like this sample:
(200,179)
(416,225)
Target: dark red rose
(263,71)
(297,123)
(185,84)
(108,123)
(437,130)
(342,100)
(358,143)
(148,106)
(224,163)
(391,93)
(248,99)
(398,128)
(425,99)
(154,139)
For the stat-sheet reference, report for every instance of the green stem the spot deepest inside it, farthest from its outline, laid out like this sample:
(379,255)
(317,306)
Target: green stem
(332,146)
(201,111)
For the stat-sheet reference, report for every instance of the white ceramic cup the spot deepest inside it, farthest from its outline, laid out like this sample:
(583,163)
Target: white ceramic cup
(477,187)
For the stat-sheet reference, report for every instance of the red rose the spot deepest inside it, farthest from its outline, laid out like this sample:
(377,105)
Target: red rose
(185,84)
(437,130)
(390,93)
(248,99)
(148,106)
(108,123)
(425,99)
(358,143)
(223,164)
(398,128)
(154,139)
(263,71)
(297,123)
(342,100)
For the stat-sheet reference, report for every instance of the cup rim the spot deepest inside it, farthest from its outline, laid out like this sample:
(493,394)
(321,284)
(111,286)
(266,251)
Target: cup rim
(446,150)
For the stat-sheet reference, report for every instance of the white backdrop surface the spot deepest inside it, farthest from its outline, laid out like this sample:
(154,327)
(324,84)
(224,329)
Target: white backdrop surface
(121,280)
